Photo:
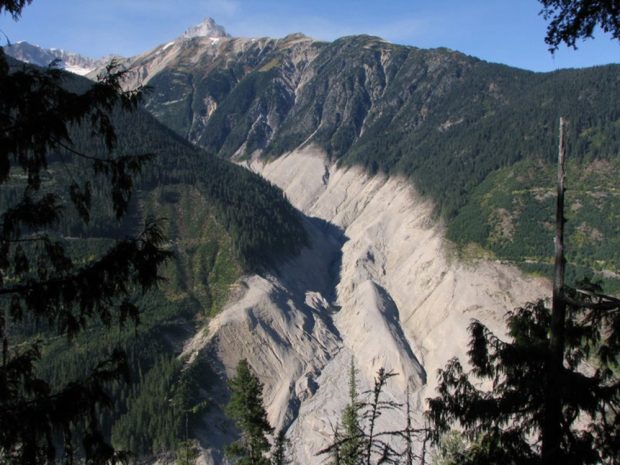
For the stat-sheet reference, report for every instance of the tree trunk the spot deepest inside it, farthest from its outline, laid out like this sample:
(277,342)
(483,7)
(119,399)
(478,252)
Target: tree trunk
(551,428)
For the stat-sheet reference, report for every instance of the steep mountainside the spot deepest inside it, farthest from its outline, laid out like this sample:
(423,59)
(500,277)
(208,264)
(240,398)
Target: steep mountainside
(371,141)
(377,283)
(444,120)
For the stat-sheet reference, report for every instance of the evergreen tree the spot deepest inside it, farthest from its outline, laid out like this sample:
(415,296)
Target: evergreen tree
(334,448)
(450,450)
(280,446)
(504,424)
(41,283)
(360,441)
(572,20)
(377,444)
(246,409)
(352,449)
(555,390)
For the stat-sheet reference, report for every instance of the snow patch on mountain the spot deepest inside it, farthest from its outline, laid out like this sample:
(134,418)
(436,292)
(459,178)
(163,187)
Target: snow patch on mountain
(69,61)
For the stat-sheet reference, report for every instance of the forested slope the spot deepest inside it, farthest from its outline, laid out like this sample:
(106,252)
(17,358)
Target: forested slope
(221,222)
(454,125)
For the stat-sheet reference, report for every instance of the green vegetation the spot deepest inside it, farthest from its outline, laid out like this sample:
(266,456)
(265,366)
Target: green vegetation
(205,264)
(490,118)
(512,214)
(246,409)
(240,119)
(350,451)
(263,226)
(220,221)
(451,449)
(279,455)
(502,402)
(461,129)
(46,290)
(571,21)
(147,413)
(360,441)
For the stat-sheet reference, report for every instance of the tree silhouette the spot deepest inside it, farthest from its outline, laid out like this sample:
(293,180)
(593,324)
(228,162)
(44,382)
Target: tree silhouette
(279,451)
(504,422)
(361,442)
(352,450)
(572,20)
(550,394)
(41,281)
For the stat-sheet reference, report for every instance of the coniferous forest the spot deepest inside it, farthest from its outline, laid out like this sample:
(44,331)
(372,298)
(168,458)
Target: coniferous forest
(423,115)
(220,221)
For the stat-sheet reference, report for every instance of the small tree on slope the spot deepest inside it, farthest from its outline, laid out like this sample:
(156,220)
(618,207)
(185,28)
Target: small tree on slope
(246,409)
(361,442)
(279,454)
(351,451)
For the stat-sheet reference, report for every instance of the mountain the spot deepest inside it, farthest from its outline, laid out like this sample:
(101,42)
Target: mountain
(457,127)
(419,178)
(43,57)
(424,174)
(81,65)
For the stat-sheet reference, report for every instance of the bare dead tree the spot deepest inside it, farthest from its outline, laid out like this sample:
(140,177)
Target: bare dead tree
(380,447)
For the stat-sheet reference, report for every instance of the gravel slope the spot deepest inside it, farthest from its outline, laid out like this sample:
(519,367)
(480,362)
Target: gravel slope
(379,284)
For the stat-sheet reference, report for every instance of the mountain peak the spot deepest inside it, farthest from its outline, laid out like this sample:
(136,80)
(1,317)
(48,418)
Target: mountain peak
(207,28)
(70,61)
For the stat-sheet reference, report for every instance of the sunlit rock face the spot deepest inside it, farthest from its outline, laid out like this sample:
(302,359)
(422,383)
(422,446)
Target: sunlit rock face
(379,285)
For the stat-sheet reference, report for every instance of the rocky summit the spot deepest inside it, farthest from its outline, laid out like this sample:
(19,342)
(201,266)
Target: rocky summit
(207,28)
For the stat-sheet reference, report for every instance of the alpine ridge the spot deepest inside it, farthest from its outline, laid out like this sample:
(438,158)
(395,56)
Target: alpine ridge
(69,61)
(419,181)
(448,122)
(389,152)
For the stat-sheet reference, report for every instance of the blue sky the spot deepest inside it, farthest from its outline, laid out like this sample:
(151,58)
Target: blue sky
(504,31)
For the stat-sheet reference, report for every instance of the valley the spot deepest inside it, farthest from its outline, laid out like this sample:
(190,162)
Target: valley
(397,290)
(327,202)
